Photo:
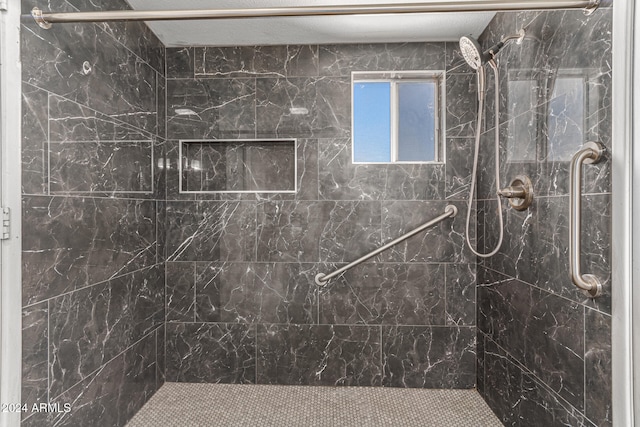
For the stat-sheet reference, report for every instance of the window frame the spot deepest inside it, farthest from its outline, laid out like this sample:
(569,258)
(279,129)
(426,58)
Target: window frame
(394,78)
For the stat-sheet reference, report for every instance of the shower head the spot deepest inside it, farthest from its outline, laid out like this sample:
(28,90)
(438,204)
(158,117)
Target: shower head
(476,58)
(472,52)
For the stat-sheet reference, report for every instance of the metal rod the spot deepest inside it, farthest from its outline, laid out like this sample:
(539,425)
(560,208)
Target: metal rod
(590,153)
(46,19)
(449,211)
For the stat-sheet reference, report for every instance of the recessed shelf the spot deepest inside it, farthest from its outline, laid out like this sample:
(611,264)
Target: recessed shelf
(238,166)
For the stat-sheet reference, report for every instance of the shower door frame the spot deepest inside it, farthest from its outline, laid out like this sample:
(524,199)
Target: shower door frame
(625,232)
(10,197)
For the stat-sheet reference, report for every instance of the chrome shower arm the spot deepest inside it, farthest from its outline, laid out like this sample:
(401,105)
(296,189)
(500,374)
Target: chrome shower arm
(518,37)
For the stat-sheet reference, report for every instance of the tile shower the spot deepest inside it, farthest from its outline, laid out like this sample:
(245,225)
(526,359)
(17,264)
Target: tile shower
(242,305)
(135,275)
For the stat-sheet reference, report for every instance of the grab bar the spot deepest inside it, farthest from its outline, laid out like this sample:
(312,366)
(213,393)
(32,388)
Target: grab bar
(590,153)
(449,211)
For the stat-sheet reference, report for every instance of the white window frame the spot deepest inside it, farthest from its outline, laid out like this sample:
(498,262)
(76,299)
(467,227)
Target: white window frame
(395,77)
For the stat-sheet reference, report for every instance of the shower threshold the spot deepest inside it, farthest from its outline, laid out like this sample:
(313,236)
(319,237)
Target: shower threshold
(200,405)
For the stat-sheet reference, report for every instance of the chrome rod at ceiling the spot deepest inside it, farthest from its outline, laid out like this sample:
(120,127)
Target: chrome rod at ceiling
(46,19)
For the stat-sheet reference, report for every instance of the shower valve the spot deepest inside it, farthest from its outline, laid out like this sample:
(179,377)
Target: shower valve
(511,192)
(519,193)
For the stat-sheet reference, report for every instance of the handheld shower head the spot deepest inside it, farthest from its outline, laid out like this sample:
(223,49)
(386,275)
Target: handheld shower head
(476,58)
(472,52)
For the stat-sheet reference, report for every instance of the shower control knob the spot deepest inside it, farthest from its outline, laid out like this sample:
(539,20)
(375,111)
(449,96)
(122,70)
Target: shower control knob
(519,193)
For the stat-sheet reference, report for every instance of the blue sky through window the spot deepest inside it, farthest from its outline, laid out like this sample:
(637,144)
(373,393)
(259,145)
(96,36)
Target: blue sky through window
(371,122)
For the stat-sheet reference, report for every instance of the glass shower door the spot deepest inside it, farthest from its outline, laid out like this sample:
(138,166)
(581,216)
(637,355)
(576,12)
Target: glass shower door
(10,243)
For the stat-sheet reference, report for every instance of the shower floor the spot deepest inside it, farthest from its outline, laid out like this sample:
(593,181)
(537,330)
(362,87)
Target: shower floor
(195,405)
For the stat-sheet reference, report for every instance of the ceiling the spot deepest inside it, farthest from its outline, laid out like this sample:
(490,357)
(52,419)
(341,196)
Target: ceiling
(308,30)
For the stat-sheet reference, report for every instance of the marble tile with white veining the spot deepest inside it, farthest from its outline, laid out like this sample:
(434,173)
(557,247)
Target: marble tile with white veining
(516,256)
(598,371)
(542,331)
(161,355)
(140,39)
(257,61)
(460,281)
(388,294)
(161,90)
(461,105)
(518,398)
(56,61)
(444,242)
(429,357)
(319,355)
(459,168)
(101,167)
(307,169)
(91,326)
(159,170)
(161,233)
(35,354)
(341,179)
(352,230)
(569,39)
(311,107)
(73,122)
(415,182)
(597,177)
(480,359)
(211,231)
(211,109)
(180,291)
(211,353)
(181,63)
(70,243)
(114,393)
(35,136)
(291,231)
(256,293)
(341,60)
(597,246)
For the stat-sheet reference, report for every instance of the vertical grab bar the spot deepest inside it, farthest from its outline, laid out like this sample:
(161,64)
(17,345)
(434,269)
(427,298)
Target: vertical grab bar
(590,153)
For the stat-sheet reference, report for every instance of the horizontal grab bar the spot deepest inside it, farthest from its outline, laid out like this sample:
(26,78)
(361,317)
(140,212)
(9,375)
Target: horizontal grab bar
(590,153)
(449,211)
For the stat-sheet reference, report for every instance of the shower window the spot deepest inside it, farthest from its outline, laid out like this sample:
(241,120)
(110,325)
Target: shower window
(397,117)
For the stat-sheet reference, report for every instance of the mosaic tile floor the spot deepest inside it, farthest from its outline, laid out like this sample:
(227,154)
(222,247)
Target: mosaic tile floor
(200,405)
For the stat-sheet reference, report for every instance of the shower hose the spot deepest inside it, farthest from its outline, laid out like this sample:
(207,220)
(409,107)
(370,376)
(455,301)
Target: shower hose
(481,95)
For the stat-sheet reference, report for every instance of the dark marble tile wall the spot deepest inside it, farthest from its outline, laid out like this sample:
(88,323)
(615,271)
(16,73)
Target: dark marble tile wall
(93,215)
(545,348)
(242,305)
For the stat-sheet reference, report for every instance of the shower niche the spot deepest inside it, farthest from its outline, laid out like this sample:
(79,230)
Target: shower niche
(238,166)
